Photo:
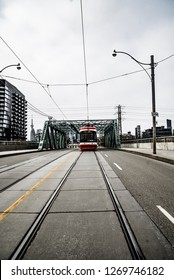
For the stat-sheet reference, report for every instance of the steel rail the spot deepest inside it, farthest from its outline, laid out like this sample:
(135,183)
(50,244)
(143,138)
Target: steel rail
(30,173)
(132,242)
(7,168)
(19,252)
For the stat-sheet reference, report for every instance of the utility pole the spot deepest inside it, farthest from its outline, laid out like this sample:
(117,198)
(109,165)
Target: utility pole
(119,113)
(154,114)
(152,65)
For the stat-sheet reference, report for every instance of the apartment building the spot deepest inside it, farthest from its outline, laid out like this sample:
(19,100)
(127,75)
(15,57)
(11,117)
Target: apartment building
(13,113)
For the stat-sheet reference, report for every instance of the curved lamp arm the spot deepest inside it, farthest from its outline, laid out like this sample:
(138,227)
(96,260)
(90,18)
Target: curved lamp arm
(140,63)
(17,65)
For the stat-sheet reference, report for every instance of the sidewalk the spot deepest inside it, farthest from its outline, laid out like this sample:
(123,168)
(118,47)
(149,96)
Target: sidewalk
(16,152)
(162,155)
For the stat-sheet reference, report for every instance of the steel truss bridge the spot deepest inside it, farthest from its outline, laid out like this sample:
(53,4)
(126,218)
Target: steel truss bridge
(56,133)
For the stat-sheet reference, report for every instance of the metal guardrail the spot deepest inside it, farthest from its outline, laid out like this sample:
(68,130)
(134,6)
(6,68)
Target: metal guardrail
(7,143)
(149,140)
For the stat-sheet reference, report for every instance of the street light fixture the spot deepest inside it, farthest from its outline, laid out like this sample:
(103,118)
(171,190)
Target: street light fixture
(11,65)
(152,78)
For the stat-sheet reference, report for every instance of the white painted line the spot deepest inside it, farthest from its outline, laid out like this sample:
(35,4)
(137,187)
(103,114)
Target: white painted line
(3,166)
(35,157)
(166,213)
(117,166)
(106,155)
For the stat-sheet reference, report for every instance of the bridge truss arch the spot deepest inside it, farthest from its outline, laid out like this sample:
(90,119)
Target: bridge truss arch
(55,134)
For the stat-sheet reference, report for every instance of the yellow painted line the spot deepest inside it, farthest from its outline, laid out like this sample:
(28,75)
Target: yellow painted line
(24,196)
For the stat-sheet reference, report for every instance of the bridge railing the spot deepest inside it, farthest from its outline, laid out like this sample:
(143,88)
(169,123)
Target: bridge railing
(148,140)
(162,143)
(17,145)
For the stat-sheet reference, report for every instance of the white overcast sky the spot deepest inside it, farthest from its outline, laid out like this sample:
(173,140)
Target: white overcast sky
(47,37)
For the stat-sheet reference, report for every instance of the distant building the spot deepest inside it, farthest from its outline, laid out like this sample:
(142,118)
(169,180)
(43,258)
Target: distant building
(32,132)
(13,113)
(161,131)
(169,123)
(38,135)
(138,132)
(127,136)
(169,126)
(148,133)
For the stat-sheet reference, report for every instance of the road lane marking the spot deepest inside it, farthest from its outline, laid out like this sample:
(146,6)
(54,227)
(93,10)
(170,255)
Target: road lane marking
(38,157)
(3,166)
(165,213)
(106,155)
(24,196)
(117,166)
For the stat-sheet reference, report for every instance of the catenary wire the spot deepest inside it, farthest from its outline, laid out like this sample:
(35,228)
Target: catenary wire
(85,66)
(89,83)
(48,93)
(33,108)
(165,59)
(44,84)
(36,110)
(84,57)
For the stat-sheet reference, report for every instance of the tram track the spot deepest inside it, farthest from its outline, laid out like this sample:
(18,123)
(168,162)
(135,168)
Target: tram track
(7,169)
(24,244)
(134,248)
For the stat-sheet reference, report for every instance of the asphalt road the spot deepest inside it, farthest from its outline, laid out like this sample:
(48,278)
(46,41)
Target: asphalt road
(151,182)
(14,164)
(21,158)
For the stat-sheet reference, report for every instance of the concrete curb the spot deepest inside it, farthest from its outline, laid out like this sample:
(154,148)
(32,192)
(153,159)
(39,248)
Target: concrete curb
(17,153)
(160,158)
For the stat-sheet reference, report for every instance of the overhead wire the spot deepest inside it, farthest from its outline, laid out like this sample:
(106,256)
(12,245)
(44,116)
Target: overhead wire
(48,93)
(33,108)
(23,63)
(55,102)
(65,85)
(115,77)
(84,57)
(19,79)
(165,59)
(89,83)
(43,85)
(36,110)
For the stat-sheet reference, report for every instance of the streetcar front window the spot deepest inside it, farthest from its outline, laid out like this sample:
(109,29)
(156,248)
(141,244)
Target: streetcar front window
(88,136)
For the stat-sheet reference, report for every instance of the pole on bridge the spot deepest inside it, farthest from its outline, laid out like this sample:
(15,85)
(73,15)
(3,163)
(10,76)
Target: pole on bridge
(154,114)
(152,79)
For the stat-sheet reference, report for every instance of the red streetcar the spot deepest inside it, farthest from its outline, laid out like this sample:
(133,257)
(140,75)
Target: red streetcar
(88,138)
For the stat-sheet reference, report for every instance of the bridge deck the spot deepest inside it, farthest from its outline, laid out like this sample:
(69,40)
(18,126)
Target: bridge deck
(82,223)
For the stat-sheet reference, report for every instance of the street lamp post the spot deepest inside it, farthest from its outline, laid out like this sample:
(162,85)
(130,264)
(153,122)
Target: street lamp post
(154,114)
(11,65)
(152,78)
